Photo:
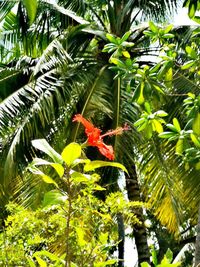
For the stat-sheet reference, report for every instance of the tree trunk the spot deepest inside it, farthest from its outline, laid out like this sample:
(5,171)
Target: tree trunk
(197,244)
(121,238)
(139,230)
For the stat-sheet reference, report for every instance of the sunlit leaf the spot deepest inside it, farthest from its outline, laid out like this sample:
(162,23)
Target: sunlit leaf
(179,147)
(192,9)
(31,8)
(157,126)
(57,166)
(141,99)
(91,166)
(78,177)
(71,153)
(54,197)
(153,27)
(145,264)
(44,146)
(176,124)
(168,28)
(195,140)
(126,54)
(111,38)
(188,64)
(161,113)
(41,262)
(80,234)
(166,134)
(125,36)
(196,124)
(45,177)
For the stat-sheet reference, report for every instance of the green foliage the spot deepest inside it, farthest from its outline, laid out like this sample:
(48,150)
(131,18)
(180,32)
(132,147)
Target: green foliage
(72,225)
(166,261)
(150,122)
(158,33)
(117,46)
(31,7)
(193,6)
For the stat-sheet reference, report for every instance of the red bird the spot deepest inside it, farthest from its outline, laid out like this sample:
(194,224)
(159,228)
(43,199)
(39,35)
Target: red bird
(96,139)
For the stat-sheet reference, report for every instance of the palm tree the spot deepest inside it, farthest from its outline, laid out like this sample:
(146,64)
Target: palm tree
(65,72)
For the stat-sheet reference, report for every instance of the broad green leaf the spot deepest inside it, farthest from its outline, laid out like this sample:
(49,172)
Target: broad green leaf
(45,177)
(143,126)
(30,262)
(192,9)
(78,177)
(168,77)
(168,28)
(111,38)
(148,33)
(59,169)
(157,126)
(117,62)
(44,146)
(196,124)
(147,107)
(191,52)
(140,99)
(157,87)
(145,264)
(148,131)
(179,147)
(125,36)
(153,27)
(31,8)
(139,122)
(176,124)
(71,153)
(126,54)
(57,166)
(80,234)
(168,35)
(154,257)
(161,113)
(53,197)
(99,188)
(80,161)
(91,166)
(188,64)
(167,134)
(195,140)
(41,262)
(172,127)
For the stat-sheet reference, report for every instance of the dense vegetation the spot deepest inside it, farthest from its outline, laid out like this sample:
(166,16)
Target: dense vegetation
(100,60)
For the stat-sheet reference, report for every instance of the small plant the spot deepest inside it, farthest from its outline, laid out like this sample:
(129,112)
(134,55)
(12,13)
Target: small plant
(73,227)
(166,261)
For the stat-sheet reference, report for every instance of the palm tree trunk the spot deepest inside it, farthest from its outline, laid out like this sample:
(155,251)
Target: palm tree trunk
(139,231)
(197,244)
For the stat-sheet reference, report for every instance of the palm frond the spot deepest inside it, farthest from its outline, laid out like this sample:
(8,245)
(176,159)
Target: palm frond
(162,183)
(67,12)
(5,8)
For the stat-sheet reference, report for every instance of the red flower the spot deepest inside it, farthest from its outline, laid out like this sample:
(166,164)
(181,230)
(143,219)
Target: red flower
(96,139)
